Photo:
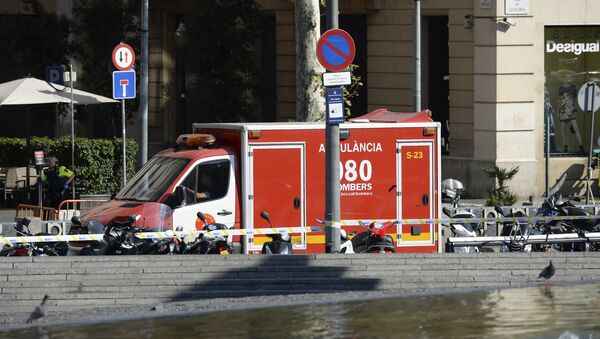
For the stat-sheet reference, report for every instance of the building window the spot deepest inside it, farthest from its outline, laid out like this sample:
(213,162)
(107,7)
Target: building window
(572,58)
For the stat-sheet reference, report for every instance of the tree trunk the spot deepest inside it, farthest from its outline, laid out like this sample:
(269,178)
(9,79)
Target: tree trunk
(310,103)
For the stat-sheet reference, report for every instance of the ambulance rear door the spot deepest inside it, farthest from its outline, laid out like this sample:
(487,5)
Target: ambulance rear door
(415,185)
(277,186)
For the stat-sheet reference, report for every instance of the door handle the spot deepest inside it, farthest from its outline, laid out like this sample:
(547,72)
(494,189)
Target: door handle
(224,212)
(425,200)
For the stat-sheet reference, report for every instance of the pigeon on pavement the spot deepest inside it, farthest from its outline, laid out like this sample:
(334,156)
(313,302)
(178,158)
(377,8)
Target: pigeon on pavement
(38,312)
(547,272)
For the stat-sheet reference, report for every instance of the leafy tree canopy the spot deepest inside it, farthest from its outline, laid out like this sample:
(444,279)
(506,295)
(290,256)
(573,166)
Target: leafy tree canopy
(219,39)
(33,40)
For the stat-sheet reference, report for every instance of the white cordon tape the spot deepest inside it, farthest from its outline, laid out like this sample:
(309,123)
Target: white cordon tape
(476,220)
(158,235)
(284,230)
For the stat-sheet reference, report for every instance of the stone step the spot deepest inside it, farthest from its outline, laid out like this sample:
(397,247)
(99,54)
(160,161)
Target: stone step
(74,282)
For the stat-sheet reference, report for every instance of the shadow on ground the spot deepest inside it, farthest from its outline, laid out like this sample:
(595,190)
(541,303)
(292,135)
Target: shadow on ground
(277,275)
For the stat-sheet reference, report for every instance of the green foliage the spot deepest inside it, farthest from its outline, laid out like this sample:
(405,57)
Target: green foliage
(502,195)
(33,40)
(98,162)
(220,41)
(352,90)
(99,25)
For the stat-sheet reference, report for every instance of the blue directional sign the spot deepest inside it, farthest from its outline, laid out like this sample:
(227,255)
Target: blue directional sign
(124,84)
(55,74)
(335,105)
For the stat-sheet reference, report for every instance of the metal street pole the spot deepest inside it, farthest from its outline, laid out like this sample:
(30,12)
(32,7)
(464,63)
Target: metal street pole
(591,85)
(332,163)
(72,129)
(124,142)
(417,31)
(143,110)
(547,131)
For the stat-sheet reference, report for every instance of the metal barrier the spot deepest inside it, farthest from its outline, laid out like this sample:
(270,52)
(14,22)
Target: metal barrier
(531,210)
(69,208)
(525,239)
(44,213)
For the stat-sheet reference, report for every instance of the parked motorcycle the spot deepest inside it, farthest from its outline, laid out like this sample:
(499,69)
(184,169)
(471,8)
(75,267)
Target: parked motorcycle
(554,205)
(86,247)
(119,238)
(517,231)
(373,240)
(463,230)
(206,243)
(55,248)
(281,243)
(453,190)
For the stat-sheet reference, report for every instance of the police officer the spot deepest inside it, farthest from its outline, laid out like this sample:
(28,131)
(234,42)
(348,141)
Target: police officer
(58,179)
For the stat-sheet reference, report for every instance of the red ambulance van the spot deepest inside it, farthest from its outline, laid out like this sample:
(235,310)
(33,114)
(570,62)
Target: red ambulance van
(389,169)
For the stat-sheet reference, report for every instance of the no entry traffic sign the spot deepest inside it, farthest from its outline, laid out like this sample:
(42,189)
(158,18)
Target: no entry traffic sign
(123,57)
(335,50)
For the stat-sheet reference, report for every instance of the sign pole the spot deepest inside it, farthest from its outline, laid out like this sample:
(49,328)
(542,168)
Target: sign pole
(417,79)
(547,149)
(143,110)
(72,129)
(124,143)
(123,57)
(591,85)
(332,163)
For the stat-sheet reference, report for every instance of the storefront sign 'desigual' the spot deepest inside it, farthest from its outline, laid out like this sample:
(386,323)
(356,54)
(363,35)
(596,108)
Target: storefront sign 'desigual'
(572,47)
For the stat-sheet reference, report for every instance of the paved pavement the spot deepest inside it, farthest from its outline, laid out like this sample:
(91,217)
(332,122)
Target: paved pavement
(101,287)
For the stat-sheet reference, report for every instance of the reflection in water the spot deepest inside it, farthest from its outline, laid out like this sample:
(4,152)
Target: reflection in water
(544,311)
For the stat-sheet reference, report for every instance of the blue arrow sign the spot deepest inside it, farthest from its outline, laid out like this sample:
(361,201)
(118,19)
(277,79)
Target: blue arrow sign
(124,84)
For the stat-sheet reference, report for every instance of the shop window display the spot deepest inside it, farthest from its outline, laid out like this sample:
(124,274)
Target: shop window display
(572,57)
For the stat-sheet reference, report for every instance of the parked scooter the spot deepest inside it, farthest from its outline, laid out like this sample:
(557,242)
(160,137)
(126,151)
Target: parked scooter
(462,230)
(373,240)
(377,240)
(281,243)
(207,243)
(57,248)
(453,190)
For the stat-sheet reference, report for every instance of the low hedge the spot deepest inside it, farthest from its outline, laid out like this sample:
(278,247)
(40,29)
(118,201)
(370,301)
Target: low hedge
(98,162)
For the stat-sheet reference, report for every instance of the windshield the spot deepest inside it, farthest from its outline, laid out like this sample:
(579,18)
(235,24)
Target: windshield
(153,179)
